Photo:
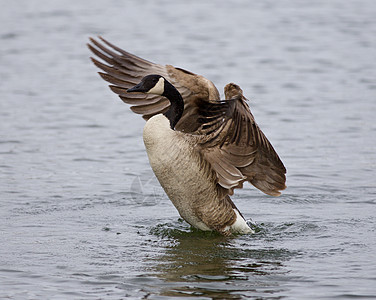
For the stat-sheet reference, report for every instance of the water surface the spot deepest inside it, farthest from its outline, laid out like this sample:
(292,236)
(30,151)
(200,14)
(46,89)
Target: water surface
(83,217)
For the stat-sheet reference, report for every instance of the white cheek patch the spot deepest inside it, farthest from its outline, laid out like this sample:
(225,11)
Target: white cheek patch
(158,89)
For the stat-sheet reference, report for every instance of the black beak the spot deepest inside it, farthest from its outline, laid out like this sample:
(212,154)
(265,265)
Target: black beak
(136,88)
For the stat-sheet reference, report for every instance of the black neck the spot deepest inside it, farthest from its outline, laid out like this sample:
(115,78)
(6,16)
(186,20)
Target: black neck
(176,108)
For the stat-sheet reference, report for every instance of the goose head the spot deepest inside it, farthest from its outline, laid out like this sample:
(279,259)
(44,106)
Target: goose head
(150,84)
(158,85)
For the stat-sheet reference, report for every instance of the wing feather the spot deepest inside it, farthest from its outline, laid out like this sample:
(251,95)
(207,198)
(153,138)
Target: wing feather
(124,70)
(228,138)
(236,148)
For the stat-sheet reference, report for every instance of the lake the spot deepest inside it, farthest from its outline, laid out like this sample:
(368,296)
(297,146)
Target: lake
(82,215)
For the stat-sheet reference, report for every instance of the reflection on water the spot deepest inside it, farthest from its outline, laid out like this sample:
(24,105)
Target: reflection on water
(210,265)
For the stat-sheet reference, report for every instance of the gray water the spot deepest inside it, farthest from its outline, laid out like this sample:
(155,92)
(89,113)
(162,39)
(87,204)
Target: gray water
(81,213)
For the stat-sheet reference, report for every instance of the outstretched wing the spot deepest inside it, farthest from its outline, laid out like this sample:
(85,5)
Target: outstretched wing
(124,70)
(236,148)
(229,138)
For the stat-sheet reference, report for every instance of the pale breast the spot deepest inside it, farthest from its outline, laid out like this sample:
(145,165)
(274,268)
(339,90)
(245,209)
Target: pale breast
(177,166)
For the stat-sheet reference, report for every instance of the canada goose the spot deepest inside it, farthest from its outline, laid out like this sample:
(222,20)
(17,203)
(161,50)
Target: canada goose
(200,147)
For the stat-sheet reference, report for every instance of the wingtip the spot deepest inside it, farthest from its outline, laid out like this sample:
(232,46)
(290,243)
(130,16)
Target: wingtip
(278,192)
(95,61)
(89,45)
(273,193)
(92,40)
(98,37)
(105,41)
